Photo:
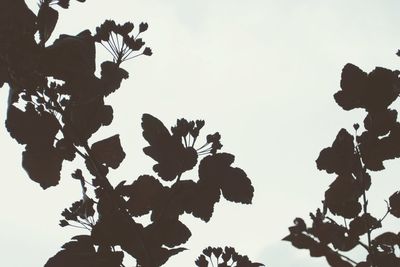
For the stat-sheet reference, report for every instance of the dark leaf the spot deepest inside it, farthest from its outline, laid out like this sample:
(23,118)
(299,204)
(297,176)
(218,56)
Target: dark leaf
(81,253)
(233,182)
(145,194)
(373,91)
(380,122)
(43,165)
(168,232)
(387,239)
(363,224)
(340,158)
(112,76)
(30,127)
(46,22)
(394,202)
(70,57)
(172,157)
(108,151)
(66,149)
(342,196)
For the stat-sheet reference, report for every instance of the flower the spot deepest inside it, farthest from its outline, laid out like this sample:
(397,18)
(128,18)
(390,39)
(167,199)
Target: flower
(117,40)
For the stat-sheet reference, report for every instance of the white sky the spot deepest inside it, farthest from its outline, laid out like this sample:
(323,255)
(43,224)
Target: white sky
(260,72)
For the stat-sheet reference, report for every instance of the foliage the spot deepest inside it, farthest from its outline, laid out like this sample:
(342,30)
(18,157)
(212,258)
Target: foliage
(351,158)
(55,121)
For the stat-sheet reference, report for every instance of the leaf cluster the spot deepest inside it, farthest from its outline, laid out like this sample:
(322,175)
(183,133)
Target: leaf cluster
(351,158)
(57,103)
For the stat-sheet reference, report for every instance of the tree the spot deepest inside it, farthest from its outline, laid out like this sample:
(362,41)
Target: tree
(351,158)
(54,118)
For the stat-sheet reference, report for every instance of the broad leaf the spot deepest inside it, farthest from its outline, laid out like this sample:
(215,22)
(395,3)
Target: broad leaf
(172,157)
(109,151)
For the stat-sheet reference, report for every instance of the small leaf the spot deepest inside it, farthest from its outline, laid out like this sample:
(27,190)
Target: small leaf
(109,151)
(47,20)
(42,165)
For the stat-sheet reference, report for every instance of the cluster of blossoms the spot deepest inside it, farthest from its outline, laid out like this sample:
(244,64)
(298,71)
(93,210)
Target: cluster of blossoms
(117,40)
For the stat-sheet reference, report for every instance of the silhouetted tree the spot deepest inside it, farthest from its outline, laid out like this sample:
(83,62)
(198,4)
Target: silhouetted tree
(55,118)
(351,158)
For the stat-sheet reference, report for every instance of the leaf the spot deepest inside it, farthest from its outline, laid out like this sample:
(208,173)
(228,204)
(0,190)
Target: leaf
(70,57)
(394,202)
(374,91)
(342,196)
(30,127)
(233,182)
(340,158)
(111,76)
(43,165)
(387,238)
(85,117)
(46,21)
(109,151)
(80,252)
(66,149)
(362,224)
(380,122)
(375,150)
(168,232)
(144,194)
(172,157)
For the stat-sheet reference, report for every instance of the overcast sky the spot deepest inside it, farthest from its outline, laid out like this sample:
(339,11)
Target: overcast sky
(262,73)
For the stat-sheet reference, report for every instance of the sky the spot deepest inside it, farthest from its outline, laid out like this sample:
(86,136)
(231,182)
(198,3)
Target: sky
(262,73)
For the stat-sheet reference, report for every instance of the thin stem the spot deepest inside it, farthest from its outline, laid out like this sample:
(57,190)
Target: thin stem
(113,42)
(133,57)
(345,257)
(118,46)
(110,51)
(363,245)
(365,204)
(126,55)
(211,261)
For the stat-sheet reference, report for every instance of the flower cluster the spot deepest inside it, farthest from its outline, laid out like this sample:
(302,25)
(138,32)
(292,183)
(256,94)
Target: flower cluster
(117,40)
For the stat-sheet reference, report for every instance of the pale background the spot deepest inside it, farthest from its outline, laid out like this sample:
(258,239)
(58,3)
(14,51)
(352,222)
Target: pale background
(260,72)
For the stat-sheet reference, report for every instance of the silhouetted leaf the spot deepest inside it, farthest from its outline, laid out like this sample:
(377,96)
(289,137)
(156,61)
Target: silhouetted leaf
(81,253)
(168,232)
(30,127)
(144,194)
(394,202)
(373,91)
(375,150)
(109,151)
(362,224)
(70,57)
(47,20)
(387,238)
(43,165)
(233,182)
(340,158)
(172,157)
(66,149)
(111,76)
(84,118)
(342,196)
(380,122)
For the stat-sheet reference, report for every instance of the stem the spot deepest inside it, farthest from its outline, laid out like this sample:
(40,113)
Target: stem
(365,205)
(345,257)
